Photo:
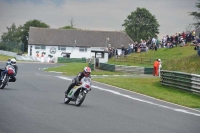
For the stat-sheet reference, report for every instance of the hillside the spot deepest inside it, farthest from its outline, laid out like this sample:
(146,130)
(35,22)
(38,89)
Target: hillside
(183,59)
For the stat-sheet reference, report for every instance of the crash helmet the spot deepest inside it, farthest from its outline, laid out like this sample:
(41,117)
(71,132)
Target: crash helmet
(87,71)
(159,60)
(8,62)
(13,61)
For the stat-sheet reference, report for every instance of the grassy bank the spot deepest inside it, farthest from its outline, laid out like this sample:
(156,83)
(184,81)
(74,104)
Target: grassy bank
(183,59)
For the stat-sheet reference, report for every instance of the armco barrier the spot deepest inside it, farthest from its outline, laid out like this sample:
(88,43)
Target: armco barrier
(128,69)
(91,65)
(107,67)
(68,60)
(185,81)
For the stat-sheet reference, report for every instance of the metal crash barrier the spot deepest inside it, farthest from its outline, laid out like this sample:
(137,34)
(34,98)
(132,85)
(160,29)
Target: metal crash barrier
(185,81)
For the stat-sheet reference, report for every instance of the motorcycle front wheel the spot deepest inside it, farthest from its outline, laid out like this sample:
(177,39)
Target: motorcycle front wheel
(67,100)
(4,82)
(80,98)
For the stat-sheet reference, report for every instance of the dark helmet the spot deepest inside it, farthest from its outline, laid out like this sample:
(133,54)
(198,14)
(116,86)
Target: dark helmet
(87,71)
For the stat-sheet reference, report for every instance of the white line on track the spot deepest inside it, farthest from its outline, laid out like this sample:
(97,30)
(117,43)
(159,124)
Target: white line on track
(144,101)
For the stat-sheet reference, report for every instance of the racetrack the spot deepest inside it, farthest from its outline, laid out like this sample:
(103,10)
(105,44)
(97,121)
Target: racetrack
(34,104)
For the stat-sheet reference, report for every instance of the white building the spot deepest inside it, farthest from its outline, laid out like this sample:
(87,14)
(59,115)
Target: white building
(47,42)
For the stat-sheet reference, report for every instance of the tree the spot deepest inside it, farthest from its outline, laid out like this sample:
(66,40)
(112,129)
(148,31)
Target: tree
(13,34)
(189,27)
(196,15)
(141,24)
(25,30)
(67,27)
(11,39)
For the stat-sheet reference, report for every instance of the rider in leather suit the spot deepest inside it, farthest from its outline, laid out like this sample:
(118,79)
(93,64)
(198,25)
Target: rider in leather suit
(11,62)
(85,73)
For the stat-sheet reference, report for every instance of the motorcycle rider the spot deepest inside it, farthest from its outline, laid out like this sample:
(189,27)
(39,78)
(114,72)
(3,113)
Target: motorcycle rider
(11,62)
(76,81)
(8,62)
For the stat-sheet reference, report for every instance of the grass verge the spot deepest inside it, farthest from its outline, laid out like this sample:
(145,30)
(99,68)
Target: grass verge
(72,69)
(5,58)
(152,87)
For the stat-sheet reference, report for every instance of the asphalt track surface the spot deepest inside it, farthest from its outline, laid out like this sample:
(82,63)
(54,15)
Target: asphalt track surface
(34,104)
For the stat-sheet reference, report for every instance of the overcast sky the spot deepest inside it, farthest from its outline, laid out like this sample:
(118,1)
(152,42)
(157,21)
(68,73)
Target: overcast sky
(104,15)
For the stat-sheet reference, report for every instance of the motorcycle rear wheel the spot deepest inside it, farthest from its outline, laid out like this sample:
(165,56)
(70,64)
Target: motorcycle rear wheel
(80,98)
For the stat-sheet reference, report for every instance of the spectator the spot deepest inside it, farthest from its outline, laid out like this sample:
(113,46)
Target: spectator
(176,39)
(183,35)
(136,47)
(195,41)
(164,41)
(193,35)
(131,47)
(182,41)
(123,50)
(187,38)
(158,43)
(155,67)
(116,53)
(154,41)
(160,66)
(198,49)
(148,43)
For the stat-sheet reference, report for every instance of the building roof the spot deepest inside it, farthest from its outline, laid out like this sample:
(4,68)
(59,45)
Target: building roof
(77,38)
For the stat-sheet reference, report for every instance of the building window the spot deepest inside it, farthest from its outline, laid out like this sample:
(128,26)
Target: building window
(40,47)
(37,47)
(99,55)
(43,47)
(83,49)
(61,48)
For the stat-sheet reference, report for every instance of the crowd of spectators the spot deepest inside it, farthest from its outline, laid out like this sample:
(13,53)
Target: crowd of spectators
(142,46)
(179,39)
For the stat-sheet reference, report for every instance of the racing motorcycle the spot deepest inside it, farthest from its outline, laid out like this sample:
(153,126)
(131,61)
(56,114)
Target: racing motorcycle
(6,75)
(78,92)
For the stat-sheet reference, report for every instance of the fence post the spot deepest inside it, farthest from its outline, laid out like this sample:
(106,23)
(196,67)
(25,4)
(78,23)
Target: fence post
(23,47)
(8,45)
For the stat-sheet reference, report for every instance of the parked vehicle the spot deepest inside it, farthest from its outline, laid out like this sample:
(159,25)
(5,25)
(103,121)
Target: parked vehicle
(78,92)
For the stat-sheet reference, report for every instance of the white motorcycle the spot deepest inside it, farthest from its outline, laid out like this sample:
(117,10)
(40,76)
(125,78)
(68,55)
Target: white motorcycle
(78,92)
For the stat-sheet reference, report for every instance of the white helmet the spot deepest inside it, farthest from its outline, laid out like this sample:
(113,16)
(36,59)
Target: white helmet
(13,61)
(159,60)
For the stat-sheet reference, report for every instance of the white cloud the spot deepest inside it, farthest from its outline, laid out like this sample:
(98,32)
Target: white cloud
(172,15)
